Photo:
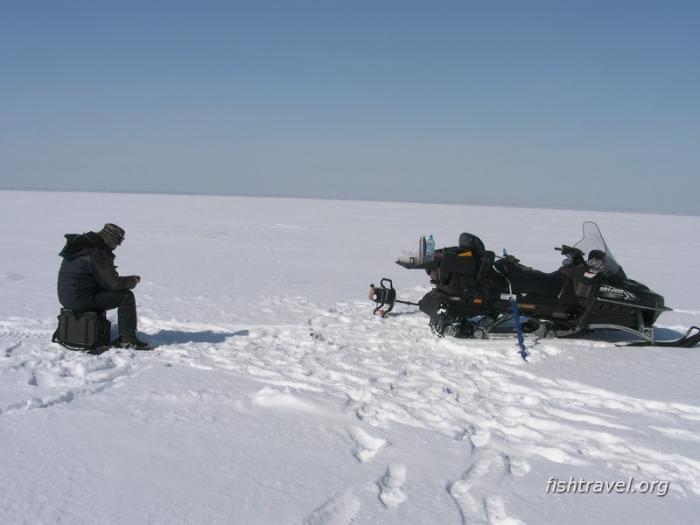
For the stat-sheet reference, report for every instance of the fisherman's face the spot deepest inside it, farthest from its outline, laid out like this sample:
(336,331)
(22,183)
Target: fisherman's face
(114,243)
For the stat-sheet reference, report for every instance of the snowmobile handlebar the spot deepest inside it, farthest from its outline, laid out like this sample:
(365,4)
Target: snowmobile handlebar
(572,252)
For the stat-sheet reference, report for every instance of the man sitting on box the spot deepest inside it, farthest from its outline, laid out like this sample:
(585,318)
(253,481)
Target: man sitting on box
(88,281)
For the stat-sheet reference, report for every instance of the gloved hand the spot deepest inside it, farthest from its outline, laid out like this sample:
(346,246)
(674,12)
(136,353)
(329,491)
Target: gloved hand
(130,281)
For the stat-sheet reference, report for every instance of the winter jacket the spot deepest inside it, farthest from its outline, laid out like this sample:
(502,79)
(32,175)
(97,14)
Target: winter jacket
(87,269)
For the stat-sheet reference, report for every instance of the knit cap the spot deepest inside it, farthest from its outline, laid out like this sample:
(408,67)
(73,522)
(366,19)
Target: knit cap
(112,234)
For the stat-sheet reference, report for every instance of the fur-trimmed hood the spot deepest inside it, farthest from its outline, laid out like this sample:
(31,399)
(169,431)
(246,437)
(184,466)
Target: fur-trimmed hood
(78,245)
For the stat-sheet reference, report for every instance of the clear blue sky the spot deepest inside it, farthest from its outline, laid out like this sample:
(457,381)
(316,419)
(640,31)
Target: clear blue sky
(565,103)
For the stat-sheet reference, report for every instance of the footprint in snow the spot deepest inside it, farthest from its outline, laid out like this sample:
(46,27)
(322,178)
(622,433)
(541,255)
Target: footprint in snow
(366,446)
(10,349)
(475,494)
(42,379)
(390,492)
(341,509)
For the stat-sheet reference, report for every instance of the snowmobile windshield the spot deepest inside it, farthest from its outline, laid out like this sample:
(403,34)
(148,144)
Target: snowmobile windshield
(598,256)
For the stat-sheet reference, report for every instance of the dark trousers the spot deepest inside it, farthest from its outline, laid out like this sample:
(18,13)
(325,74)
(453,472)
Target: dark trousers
(124,301)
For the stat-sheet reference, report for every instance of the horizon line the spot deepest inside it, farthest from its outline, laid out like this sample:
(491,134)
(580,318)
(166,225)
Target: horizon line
(355,199)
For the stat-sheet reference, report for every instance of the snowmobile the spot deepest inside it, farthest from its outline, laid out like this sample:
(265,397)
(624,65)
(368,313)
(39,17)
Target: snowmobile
(477,293)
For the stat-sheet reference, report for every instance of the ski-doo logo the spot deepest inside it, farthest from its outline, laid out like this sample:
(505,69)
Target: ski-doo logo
(616,293)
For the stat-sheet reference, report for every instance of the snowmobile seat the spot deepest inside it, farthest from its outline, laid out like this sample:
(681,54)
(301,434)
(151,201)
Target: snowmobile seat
(531,281)
(467,241)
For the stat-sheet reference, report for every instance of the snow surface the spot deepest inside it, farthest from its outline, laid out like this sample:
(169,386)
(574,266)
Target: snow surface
(274,396)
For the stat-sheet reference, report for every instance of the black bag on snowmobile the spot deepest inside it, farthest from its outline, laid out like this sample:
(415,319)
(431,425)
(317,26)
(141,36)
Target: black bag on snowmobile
(459,265)
(88,331)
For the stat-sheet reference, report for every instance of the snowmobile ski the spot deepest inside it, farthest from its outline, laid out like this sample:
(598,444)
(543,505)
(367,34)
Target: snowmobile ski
(689,340)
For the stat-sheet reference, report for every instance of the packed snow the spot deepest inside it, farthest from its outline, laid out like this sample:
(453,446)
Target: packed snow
(274,396)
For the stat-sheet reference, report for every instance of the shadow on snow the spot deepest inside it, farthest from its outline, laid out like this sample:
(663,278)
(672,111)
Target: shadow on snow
(173,337)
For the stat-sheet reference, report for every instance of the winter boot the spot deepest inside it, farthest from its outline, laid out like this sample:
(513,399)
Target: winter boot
(131,341)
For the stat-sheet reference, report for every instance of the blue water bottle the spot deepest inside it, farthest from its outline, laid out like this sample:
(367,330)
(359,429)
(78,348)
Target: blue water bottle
(429,248)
